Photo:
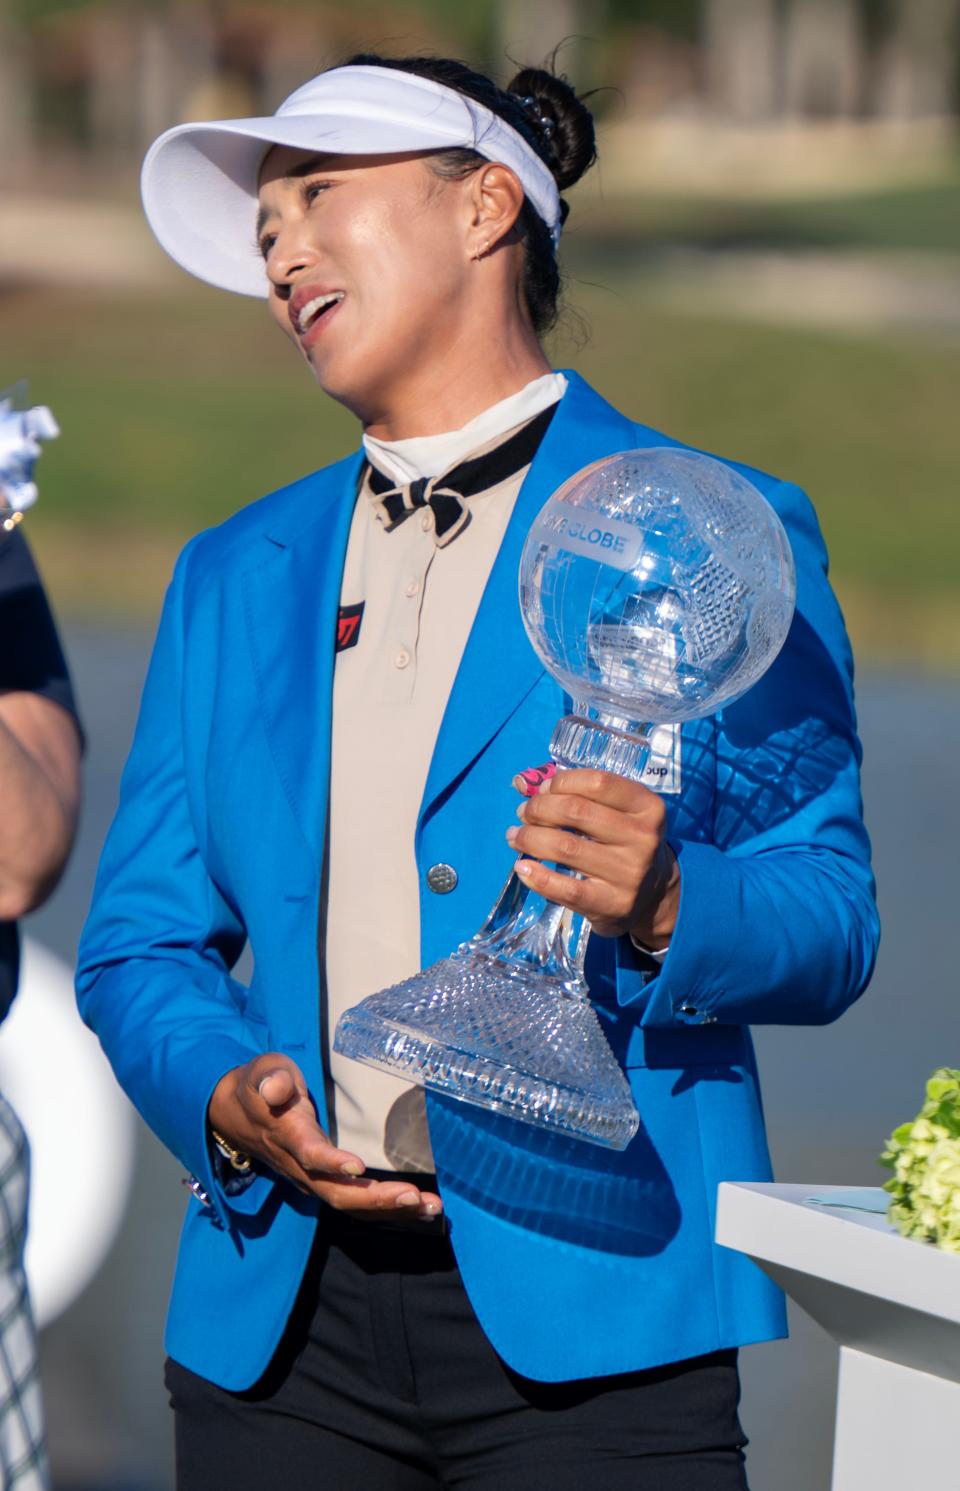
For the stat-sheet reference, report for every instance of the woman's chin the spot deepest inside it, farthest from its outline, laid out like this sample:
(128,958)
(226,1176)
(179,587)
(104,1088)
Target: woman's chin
(353,394)
(351,383)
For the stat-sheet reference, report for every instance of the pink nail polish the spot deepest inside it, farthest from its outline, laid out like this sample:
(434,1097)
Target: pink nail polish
(531,781)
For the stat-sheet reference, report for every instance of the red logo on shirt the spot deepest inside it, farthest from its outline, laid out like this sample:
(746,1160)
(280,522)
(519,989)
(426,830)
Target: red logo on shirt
(348,626)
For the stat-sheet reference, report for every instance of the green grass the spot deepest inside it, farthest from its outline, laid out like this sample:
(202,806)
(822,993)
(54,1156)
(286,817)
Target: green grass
(177,410)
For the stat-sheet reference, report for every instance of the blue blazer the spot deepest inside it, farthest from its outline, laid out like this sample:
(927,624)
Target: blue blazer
(579,1262)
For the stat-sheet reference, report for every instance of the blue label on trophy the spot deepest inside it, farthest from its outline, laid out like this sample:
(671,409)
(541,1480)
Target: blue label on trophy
(606,539)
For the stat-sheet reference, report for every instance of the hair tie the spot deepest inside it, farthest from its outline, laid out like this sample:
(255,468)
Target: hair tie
(532,106)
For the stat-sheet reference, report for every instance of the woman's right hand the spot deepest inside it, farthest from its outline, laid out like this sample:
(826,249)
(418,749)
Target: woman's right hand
(265,1110)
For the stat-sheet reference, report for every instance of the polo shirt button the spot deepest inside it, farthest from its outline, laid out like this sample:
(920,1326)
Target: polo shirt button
(411,587)
(402,658)
(442,879)
(426,521)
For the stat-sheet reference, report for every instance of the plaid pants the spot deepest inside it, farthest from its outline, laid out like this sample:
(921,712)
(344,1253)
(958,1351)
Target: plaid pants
(23,1455)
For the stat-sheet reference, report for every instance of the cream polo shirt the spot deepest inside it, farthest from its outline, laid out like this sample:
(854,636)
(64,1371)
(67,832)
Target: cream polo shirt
(391,684)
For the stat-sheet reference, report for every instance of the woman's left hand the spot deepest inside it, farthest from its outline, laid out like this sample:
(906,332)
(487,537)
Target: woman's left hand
(612,831)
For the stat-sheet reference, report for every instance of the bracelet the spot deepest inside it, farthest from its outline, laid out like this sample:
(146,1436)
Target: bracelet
(236,1157)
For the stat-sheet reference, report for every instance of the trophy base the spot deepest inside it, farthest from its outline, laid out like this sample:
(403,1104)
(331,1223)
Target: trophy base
(500,1037)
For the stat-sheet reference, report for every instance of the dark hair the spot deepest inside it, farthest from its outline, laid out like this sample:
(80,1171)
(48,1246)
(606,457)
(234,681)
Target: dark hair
(543,108)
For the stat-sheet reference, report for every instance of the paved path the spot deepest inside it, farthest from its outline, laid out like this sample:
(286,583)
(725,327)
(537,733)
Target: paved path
(111,248)
(841,290)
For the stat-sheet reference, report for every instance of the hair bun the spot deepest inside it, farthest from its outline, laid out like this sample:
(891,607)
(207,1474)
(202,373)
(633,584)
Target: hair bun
(562,122)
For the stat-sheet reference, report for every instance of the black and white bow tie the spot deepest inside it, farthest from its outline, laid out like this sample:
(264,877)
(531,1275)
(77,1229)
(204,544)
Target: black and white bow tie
(445,494)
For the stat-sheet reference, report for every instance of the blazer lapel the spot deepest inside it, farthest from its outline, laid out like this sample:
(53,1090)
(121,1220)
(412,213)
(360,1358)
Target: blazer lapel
(290,604)
(499,667)
(291,599)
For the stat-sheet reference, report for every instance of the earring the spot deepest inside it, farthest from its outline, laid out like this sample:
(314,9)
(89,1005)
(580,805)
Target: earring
(481,252)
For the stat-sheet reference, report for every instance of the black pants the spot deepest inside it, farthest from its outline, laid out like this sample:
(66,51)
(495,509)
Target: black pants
(384,1381)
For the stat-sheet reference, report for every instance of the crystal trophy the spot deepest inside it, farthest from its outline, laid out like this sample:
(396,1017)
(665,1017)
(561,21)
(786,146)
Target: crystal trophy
(21,430)
(656,586)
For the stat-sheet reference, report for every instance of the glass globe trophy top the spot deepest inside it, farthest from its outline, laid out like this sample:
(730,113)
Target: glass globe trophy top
(656,586)
(683,602)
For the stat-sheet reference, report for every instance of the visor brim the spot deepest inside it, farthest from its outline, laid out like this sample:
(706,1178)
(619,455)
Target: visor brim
(199,184)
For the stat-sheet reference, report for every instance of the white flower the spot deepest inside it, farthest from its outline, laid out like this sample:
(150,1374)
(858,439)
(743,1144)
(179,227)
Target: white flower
(925,1159)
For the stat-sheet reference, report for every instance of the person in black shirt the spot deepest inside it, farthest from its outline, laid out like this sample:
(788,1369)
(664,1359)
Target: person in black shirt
(40,745)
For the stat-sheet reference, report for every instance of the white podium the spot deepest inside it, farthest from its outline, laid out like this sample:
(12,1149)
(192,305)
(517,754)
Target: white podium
(893,1307)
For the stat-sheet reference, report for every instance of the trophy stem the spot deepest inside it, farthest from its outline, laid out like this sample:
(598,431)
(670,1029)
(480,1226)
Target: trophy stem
(526,932)
(604,742)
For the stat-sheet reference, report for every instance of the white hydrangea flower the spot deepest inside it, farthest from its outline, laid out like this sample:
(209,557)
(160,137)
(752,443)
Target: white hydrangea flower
(925,1159)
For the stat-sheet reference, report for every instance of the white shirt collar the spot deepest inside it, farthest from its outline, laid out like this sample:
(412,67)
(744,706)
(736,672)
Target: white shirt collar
(429,455)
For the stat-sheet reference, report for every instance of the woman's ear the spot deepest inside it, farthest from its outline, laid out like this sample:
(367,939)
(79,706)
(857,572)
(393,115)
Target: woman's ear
(496,199)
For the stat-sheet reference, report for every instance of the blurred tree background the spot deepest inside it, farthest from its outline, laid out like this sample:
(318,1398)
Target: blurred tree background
(766,263)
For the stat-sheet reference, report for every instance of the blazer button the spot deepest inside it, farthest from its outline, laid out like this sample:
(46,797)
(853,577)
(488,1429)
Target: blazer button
(442,879)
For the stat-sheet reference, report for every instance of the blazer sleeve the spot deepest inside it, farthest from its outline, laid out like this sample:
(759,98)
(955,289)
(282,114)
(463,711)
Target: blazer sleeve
(777,920)
(153,976)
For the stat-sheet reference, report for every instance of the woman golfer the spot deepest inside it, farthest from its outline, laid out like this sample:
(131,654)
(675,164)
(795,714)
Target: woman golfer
(372,1289)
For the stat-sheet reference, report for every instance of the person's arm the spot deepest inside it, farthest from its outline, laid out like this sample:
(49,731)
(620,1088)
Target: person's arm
(40,738)
(39,798)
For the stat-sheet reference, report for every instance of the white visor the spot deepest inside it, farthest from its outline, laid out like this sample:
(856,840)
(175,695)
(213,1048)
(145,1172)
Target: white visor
(199,181)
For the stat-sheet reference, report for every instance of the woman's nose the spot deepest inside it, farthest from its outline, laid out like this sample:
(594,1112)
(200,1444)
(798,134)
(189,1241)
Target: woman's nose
(290,254)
